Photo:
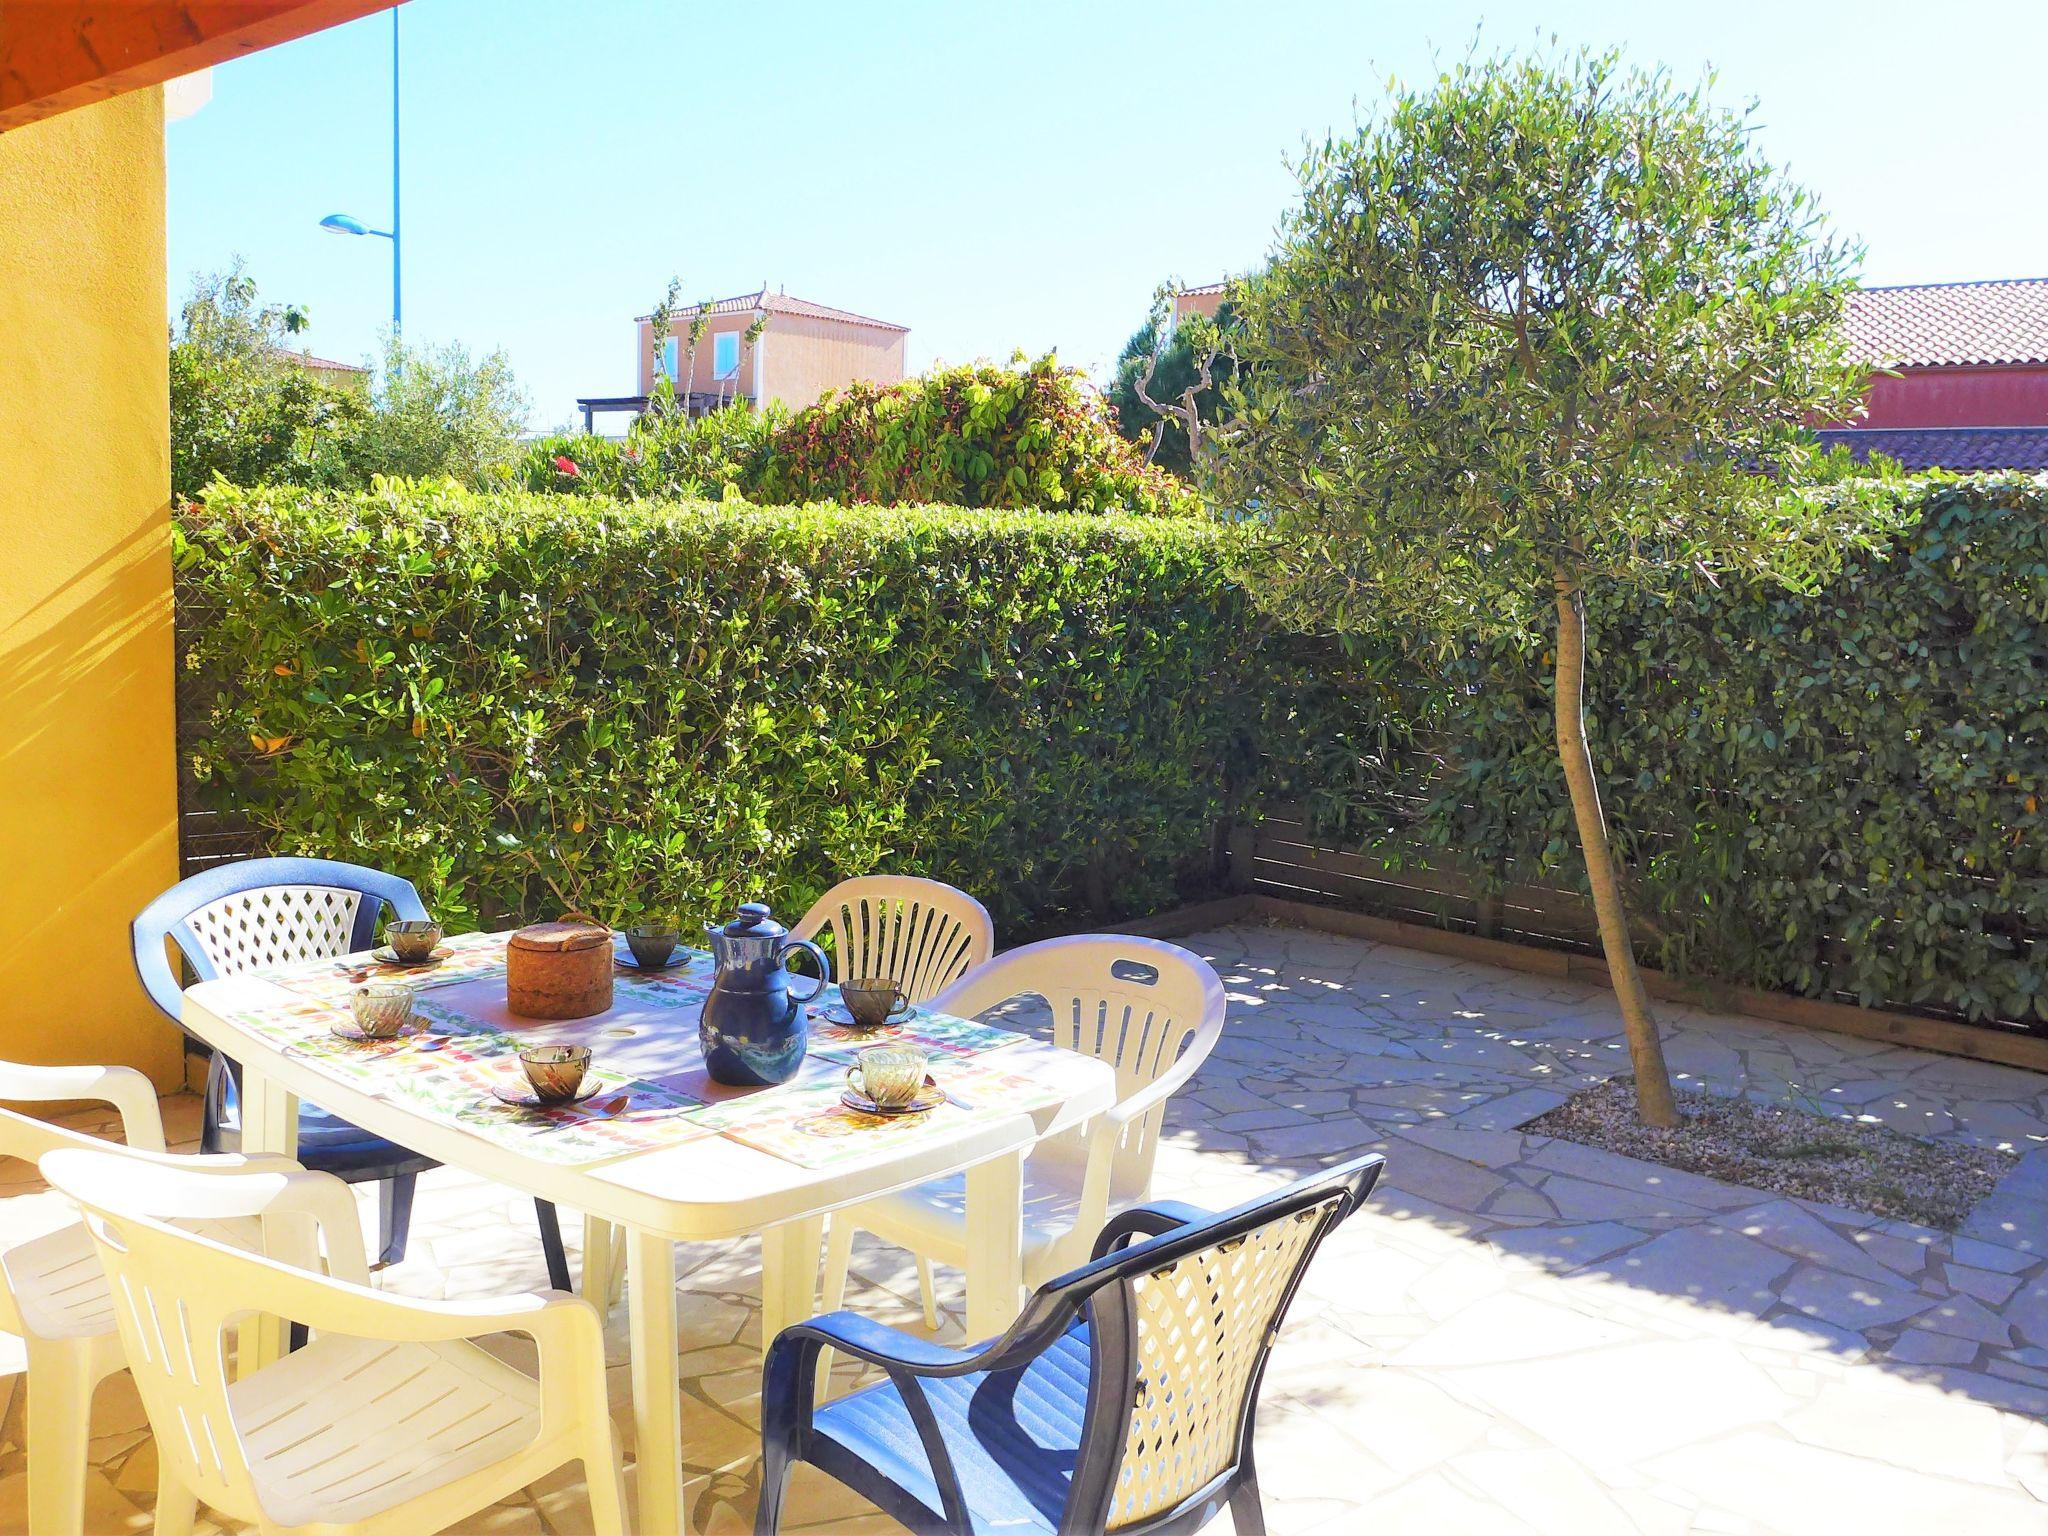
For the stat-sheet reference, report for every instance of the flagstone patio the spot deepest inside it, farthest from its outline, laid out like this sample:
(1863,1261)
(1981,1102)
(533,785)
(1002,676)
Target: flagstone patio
(1519,1335)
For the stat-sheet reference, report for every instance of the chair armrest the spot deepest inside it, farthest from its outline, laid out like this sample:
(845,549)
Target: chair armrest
(910,1356)
(321,1196)
(1150,1220)
(1153,1094)
(1106,1131)
(235,1187)
(788,1386)
(877,1344)
(554,1319)
(132,1095)
(229,1162)
(330,1204)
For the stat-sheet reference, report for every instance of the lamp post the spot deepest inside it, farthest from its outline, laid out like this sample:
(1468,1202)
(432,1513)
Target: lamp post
(345,224)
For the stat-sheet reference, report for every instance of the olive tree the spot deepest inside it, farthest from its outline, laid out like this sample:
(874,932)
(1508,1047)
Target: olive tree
(1169,377)
(1546,327)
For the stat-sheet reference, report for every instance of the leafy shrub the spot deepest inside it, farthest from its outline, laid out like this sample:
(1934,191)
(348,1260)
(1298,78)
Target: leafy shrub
(1840,792)
(439,411)
(245,410)
(665,456)
(242,408)
(525,703)
(978,436)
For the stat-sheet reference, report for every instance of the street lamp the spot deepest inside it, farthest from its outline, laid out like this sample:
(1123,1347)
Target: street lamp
(346,224)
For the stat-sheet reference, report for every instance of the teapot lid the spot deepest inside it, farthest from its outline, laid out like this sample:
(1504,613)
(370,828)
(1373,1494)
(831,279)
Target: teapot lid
(753,920)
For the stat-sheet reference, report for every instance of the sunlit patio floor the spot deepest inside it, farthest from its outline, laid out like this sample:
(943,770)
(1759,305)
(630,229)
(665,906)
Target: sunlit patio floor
(1519,1335)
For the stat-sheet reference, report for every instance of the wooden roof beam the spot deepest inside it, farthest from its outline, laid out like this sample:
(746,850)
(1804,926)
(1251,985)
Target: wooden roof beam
(59,54)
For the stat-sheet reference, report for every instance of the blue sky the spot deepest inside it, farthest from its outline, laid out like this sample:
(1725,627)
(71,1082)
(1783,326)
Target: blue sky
(992,175)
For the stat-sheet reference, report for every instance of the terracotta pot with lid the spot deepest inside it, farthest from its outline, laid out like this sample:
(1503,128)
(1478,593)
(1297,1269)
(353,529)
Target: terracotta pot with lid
(559,970)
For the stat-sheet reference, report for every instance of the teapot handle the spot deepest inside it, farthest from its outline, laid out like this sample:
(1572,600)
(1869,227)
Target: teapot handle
(817,954)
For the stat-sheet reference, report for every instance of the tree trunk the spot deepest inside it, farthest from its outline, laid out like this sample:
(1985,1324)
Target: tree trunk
(1653,1080)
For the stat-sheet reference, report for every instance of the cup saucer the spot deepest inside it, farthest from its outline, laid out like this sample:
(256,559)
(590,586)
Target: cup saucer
(929,1097)
(839,1016)
(675,962)
(386,955)
(520,1095)
(355,1034)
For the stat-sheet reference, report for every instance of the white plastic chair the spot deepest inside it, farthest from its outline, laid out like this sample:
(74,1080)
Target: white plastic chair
(53,1293)
(923,934)
(1152,1010)
(389,1422)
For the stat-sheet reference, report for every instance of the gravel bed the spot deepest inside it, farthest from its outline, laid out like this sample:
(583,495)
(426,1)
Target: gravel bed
(1788,1151)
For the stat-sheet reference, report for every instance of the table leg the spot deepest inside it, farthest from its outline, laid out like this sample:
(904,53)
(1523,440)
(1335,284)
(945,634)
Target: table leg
(995,1245)
(270,1123)
(789,1274)
(657,1382)
(270,1116)
(596,1280)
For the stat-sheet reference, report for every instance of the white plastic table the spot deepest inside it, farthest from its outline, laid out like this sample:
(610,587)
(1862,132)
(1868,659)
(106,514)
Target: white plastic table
(705,1189)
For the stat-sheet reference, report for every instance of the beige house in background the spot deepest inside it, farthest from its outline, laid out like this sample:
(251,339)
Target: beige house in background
(327,370)
(1205,300)
(805,350)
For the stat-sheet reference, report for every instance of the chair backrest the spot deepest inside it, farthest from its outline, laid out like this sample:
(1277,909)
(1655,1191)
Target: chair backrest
(176,1292)
(924,934)
(1146,1007)
(1182,1325)
(262,912)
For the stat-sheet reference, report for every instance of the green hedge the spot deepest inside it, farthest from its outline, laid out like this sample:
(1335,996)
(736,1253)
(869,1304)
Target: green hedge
(525,703)
(1816,794)
(531,702)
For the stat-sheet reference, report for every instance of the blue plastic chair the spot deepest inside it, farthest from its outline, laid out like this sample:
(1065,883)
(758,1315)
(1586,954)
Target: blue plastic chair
(1122,1399)
(267,912)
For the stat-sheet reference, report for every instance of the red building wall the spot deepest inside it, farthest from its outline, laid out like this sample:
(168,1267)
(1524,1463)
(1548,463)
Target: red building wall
(1959,397)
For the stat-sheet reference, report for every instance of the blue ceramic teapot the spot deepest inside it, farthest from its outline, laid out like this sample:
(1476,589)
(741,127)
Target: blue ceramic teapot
(752,1029)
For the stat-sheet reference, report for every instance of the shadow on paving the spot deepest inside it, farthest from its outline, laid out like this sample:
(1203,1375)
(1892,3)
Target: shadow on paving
(1337,1046)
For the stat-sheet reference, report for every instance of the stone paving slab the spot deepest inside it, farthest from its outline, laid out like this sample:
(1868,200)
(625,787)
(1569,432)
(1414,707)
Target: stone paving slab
(1520,1334)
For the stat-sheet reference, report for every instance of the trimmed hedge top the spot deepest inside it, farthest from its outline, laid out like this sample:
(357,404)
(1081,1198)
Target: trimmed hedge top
(525,703)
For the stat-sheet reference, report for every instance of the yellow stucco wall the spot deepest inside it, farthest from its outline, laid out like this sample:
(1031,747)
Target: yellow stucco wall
(88,802)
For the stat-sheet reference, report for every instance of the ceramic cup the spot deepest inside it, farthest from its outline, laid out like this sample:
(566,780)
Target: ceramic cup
(382,1009)
(889,1075)
(871,1000)
(413,939)
(652,943)
(556,1071)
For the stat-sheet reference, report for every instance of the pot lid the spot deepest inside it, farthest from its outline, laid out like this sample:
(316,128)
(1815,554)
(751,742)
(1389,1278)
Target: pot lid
(753,920)
(572,931)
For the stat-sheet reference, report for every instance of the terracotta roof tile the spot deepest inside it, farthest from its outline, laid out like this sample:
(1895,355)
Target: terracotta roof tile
(308,360)
(782,304)
(1958,448)
(1933,325)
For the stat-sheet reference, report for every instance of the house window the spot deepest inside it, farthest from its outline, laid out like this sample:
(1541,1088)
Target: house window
(725,354)
(668,358)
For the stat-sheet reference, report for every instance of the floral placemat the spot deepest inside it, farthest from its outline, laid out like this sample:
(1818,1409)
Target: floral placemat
(469,956)
(654,1091)
(807,1123)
